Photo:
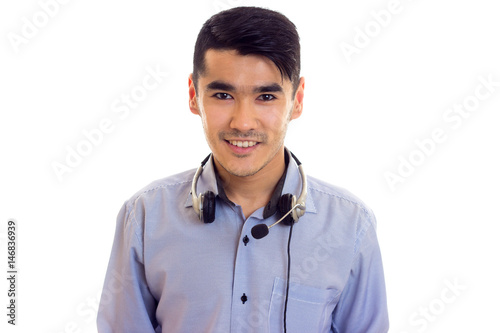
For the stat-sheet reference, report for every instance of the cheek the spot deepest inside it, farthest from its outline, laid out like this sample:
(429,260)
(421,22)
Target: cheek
(277,119)
(213,122)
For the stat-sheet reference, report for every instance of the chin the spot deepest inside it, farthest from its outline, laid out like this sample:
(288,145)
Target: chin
(245,173)
(240,171)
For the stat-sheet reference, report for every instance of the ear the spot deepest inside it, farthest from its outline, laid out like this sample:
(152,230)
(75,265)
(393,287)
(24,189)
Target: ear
(193,100)
(298,103)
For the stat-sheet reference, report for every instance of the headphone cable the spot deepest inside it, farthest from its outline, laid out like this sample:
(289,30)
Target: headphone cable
(287,277)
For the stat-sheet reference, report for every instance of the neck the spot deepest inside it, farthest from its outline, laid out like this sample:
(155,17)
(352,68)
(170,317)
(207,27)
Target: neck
(255,191)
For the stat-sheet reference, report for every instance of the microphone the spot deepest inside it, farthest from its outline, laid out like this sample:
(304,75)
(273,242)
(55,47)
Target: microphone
(261,230)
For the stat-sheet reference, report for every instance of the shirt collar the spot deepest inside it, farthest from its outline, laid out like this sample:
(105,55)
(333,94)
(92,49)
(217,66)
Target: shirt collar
(290,182)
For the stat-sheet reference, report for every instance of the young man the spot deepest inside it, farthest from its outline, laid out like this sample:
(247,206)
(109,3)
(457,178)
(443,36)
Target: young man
(193,253)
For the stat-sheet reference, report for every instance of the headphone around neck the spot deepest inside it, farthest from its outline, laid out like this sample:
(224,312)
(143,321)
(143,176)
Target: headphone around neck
(290,207)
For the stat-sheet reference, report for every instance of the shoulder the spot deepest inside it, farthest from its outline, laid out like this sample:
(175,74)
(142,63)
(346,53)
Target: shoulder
(149,201)
(323,193)
(171,185)
(345,214)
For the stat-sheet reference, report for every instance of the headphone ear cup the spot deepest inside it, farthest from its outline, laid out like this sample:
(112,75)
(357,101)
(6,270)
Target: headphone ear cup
(208,207)
(284,206)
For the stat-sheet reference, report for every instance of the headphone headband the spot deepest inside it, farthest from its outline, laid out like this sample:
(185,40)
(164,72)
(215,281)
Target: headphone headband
(198,200)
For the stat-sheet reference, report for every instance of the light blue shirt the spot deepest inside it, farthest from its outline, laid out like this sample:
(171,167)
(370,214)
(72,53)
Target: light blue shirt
(170,272)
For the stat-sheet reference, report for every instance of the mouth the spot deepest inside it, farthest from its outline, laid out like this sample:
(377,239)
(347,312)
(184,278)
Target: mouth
(242,144)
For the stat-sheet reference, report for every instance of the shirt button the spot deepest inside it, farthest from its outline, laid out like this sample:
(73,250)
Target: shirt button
(246,240)
(244,298)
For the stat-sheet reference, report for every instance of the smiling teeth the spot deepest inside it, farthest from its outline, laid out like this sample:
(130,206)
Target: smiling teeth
(243,144)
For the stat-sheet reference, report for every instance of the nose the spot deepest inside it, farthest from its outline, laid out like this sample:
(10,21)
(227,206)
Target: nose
(244,116)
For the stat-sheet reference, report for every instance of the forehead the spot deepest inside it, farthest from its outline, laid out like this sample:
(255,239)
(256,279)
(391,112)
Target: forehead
(241,70)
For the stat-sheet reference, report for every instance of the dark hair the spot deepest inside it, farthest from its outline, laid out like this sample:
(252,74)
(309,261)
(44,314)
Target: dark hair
(251,30)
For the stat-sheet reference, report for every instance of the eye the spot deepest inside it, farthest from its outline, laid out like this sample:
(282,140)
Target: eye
(222,96)
(266,97)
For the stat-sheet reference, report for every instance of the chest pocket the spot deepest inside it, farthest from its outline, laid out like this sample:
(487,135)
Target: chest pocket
(309,309)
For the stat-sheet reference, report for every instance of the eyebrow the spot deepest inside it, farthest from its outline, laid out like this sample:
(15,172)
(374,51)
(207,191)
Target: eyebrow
(220,85)
(274,87)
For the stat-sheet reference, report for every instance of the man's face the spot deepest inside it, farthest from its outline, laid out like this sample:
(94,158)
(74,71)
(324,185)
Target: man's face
(245,108)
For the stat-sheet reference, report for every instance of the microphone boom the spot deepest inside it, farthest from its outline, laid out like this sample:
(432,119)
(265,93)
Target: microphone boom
(261,230)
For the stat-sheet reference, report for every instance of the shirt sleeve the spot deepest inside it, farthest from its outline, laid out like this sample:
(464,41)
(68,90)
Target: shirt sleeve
(126,303)
(362,306)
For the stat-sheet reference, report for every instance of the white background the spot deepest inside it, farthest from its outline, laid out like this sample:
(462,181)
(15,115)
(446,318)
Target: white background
(362,114)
